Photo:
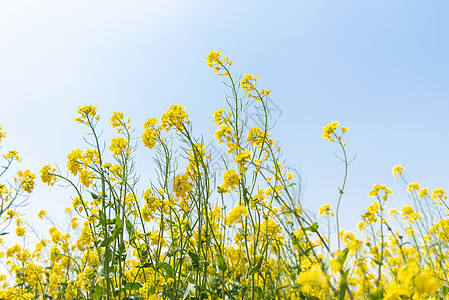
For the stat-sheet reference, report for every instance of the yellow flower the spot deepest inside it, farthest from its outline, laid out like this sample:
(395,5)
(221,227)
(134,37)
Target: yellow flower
(230,181)
(11,155)
(117,120)
(265,93)
(41,214)
(223,131)
(213,58)
(2,134)
(361,226)
(150,134)
(377,189)
(74,223)
(47,175)
(236,214)
(218,116)
(313,276)
(86,178)
(182,186)
(329,130)
(257,137)
(393,212)
(175,117)
(242,157)
(56,235)
(118,145)
(422,193)
(397,170)
(26,180)
(438,194)
(413,186)
(425,283)
(74,164)
(86,112)
(326,209)
(247,83)
(20,231)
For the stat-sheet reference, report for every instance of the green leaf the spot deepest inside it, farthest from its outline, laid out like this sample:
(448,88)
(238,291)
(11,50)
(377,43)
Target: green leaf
(98,292)
(106,242)
(312,228)
(306,252)
(94,196)
(445,290)
(102,218)
(132,286)
(167,267)
(343,258)
(129,228)
(256,268)
(195,259)
(343,285)
(145,265)
(118,228)
(295,240)
(377,295)
(221,262)
(377,262)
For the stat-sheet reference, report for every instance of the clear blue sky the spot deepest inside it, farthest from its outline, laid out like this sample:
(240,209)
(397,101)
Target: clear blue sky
(381,68)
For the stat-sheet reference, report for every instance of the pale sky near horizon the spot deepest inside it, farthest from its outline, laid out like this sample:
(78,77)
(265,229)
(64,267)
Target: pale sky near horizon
(381,68)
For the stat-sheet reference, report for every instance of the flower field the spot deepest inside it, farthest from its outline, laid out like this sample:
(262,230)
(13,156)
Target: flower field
(185,237)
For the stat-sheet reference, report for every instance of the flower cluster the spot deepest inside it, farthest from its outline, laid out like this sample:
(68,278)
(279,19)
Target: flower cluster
(230,181)
(86,114)
(176,117)
(329,131)
(151,133)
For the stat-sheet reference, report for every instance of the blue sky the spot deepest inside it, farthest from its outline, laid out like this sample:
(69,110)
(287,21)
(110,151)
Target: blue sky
(379,67)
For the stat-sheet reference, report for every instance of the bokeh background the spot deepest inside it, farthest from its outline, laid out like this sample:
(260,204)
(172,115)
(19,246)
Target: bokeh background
(381,68)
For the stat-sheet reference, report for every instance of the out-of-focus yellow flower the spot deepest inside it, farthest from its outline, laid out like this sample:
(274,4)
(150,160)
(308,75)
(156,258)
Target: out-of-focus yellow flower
(413,186)
(326,209)
(423,192)
(397,170)
(236,214)
(377,190)
(312,278)
(425,283)
(11,155)
(438,194)
(393,212)
(2,134)
(41,214)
